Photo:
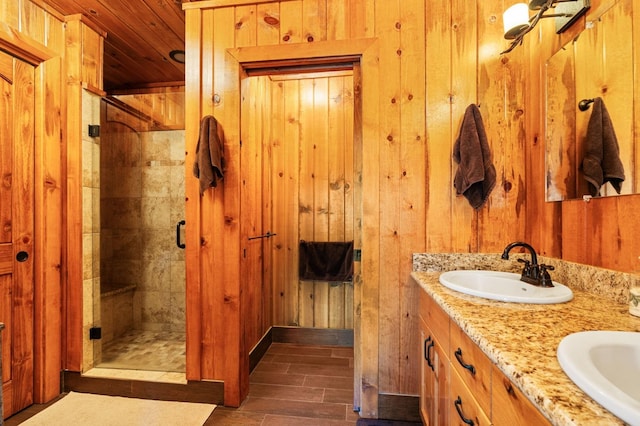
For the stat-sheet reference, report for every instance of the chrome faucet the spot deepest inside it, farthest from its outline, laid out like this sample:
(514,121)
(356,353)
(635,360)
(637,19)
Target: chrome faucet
(532,273)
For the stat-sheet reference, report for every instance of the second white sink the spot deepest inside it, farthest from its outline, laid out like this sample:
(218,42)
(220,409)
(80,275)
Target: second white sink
(503,286)
(606,365)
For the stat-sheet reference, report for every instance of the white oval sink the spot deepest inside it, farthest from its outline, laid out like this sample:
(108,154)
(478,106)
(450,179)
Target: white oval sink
(503,286)
(606,366)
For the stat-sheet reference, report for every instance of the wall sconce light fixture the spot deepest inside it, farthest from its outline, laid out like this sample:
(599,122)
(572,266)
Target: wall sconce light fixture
(517,22)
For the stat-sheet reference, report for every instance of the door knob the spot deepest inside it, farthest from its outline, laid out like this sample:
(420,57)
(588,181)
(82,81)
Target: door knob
(22,256)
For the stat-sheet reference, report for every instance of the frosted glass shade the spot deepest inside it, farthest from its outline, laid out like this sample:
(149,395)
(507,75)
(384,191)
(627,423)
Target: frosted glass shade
(515,20)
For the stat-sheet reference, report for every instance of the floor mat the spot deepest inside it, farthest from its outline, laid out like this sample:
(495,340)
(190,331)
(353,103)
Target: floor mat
(100,410)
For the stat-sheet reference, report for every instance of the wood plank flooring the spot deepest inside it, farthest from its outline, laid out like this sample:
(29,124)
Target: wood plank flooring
(297,385)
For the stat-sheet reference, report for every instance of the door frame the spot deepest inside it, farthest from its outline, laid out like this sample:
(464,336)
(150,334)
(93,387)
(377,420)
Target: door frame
(366,295)
(47,212)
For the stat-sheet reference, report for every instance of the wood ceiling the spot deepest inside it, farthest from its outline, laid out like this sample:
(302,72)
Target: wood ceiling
(140,35)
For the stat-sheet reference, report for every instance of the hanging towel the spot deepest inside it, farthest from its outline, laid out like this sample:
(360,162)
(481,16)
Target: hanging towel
(326,261)
(601,161)
(476,175)
(209,163)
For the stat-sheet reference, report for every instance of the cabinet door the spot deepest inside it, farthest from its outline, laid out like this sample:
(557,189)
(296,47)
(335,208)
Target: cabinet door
(441,380)
(426,375)
(434,380)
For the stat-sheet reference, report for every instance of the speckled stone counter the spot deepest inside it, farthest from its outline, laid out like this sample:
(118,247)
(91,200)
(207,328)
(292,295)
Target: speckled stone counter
(522,339)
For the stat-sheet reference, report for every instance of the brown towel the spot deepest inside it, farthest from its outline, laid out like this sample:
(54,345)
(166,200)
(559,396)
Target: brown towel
(601,161)
(209,164)
(476,175)
(326,261)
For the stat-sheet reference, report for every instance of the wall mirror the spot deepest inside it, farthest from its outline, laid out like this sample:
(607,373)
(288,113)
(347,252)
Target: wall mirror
(597,63)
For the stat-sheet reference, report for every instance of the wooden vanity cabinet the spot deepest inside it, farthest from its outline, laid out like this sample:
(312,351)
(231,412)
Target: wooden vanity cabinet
(459,383)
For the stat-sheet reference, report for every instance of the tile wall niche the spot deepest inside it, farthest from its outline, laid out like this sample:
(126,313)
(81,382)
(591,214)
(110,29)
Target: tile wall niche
(142,200)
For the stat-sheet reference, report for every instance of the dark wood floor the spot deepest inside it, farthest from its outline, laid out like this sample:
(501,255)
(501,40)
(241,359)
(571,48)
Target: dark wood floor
(291,385)
(294,385)
(299,385)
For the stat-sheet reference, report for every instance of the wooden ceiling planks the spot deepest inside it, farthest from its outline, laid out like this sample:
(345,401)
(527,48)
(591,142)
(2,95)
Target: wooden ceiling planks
(140,35)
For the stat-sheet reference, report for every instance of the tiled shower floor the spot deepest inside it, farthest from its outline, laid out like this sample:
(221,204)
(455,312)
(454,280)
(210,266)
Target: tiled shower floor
(143,351)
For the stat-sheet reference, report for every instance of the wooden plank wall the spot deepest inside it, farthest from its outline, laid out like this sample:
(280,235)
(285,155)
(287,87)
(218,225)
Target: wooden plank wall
(436,57)
(45,28)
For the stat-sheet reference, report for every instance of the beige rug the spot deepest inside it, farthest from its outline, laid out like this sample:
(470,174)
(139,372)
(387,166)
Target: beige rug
(79,409)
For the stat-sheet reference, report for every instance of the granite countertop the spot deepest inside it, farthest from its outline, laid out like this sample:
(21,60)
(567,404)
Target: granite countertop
(521,339)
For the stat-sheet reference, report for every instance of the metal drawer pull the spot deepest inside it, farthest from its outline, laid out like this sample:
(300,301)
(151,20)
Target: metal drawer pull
(428,351)
(469,367)
(458,404)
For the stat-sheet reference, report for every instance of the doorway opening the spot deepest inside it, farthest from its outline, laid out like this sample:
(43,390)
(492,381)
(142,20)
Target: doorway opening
(305,184)
(301,181)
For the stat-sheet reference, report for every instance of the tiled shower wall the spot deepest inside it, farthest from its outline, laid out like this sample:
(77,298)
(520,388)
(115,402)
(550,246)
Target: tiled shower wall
(159,302)
(142,199)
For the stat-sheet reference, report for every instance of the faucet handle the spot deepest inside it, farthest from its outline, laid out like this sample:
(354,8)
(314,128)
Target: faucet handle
(526,270)
(545,278)
(527,264)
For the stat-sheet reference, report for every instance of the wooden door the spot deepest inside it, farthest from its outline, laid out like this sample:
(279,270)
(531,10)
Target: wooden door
(254,230)
(16,231)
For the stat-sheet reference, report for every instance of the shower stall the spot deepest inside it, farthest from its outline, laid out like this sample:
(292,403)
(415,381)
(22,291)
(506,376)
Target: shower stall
(139,304)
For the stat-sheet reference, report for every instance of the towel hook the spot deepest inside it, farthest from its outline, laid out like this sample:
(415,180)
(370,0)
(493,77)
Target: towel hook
(584,104)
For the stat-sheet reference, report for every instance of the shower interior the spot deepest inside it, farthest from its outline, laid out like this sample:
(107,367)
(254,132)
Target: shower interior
(139,301)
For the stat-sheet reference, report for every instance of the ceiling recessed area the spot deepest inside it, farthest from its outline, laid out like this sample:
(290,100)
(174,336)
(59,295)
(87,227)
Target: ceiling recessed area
(141,35)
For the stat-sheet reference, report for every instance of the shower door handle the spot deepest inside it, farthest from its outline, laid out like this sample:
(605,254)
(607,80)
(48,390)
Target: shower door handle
(178,226)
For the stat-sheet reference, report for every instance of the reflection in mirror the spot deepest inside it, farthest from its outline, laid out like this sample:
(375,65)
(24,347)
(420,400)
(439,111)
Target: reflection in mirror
(597,63)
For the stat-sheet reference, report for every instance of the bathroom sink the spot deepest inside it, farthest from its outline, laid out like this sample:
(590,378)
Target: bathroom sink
(503,286)
(606,366)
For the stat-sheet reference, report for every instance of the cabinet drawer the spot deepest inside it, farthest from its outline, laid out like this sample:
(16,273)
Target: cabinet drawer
(436,319)
(463,406)
(477,374)
(510,406)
